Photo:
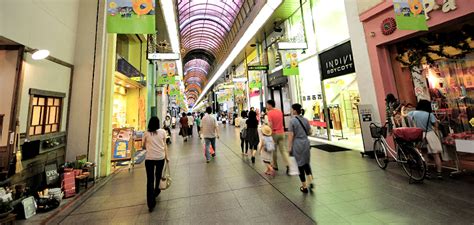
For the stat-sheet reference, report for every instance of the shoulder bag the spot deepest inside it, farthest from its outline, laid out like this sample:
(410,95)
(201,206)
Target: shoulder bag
(165,181)
(304,128)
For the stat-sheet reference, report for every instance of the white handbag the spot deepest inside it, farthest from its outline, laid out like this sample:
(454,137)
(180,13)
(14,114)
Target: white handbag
(293,167)
(165,181)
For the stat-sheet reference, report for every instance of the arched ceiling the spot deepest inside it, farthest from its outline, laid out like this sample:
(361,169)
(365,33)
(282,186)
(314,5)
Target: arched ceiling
(203,25)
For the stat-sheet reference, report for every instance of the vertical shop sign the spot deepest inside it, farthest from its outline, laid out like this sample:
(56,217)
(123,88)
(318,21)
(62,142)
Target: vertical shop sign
(290,63)
(131,16)
(410,15)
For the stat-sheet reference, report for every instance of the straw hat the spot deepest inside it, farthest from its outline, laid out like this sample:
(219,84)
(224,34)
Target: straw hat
(266,130)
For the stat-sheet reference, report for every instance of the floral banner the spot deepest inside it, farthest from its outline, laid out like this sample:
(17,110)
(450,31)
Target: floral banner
(410,15)
(290,63)
(131,16)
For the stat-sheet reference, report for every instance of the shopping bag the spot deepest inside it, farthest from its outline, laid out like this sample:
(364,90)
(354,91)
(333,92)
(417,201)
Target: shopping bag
(211,150)
(165,181)
(293,167)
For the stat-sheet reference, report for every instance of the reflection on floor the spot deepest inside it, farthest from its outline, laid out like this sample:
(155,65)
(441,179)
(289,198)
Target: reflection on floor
(230,190)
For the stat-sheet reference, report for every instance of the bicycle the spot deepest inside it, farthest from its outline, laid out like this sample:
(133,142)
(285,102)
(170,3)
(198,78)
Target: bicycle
(406,153)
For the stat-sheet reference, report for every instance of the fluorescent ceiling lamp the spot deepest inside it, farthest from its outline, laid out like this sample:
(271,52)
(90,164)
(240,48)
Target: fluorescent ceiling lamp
(240,79)
(164,56)
(40,54)
(265,13)
(289,45)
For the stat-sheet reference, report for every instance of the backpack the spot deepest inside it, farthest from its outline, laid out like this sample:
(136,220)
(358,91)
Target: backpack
(269,144)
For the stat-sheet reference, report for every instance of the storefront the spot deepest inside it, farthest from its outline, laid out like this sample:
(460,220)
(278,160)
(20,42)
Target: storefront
(341,95)
(436,65)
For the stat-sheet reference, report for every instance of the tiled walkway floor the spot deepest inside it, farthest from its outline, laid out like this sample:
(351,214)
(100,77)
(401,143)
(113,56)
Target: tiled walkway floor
(230,190)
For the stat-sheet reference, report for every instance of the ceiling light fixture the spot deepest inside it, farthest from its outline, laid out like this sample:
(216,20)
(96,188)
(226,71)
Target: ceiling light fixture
(40,54)
(264,14)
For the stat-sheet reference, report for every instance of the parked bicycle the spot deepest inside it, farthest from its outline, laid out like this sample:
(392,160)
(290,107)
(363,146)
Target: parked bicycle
(405,153)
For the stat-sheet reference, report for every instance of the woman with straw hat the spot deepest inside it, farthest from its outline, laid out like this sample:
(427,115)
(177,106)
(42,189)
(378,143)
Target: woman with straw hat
(267,147)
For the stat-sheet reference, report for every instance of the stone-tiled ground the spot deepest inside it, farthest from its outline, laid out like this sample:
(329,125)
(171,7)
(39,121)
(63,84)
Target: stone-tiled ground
(230,190)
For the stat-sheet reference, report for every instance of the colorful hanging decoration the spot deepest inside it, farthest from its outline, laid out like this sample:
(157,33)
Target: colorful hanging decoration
(131,16)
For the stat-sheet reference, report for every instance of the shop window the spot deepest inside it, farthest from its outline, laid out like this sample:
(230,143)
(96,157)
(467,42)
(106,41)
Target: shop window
(45,114)
(122,46)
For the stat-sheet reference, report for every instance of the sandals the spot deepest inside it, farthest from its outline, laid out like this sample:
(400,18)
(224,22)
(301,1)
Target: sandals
(303,189)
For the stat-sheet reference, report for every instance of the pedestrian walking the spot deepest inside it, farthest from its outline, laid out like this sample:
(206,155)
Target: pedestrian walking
(183,122)
(275,121)
(252,133)
(243,133)
(299,146)
(190,124)
(167,127)
(267,147)
(209,131)
(154,141)
(197,121)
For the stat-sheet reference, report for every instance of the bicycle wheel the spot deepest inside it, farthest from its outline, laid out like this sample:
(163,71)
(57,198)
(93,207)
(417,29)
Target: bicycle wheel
(412,163)
(380,155)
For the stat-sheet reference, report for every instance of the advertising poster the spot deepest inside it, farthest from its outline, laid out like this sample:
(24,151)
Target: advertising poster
(410,15)
(290,63)
(131,16)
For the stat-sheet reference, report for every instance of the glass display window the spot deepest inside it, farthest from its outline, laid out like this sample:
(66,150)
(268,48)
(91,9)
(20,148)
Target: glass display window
(451,90)
(342,101)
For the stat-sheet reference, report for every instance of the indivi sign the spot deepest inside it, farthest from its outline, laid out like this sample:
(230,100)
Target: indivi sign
(431,5)
(337,61)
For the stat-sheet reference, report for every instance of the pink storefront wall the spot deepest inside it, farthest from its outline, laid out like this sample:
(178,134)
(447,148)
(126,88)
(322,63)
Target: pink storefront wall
(378,44)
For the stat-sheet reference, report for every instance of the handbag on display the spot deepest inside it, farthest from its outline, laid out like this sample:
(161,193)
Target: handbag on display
(165,181)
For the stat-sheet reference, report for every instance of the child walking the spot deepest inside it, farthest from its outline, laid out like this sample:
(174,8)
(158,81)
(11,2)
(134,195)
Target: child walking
(266,149)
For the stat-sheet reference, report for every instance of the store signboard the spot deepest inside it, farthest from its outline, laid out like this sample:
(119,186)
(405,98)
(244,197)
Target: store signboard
(337,61)
(131,16)
(276,79)
(163,56)
(258,67)
(410,15)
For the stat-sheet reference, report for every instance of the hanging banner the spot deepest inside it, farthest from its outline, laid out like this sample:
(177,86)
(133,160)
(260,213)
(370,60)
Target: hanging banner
(131,16)
(255,84)
(168,68)
(162,80)
(290,63)
(410,15)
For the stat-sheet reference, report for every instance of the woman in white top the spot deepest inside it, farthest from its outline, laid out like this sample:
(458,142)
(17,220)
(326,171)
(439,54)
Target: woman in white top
(243,132)
(154,142)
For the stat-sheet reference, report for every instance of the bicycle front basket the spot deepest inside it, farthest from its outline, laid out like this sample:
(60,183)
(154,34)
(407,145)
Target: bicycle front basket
(410,134)
(377,131)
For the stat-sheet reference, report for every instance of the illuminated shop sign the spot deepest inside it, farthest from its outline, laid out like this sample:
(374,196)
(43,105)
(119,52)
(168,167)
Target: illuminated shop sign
(337,61)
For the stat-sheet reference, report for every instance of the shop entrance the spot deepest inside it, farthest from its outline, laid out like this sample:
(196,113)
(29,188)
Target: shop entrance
(280,94)
(342,101)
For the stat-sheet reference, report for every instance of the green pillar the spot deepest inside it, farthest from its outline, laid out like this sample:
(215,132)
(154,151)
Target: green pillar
(151,91)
